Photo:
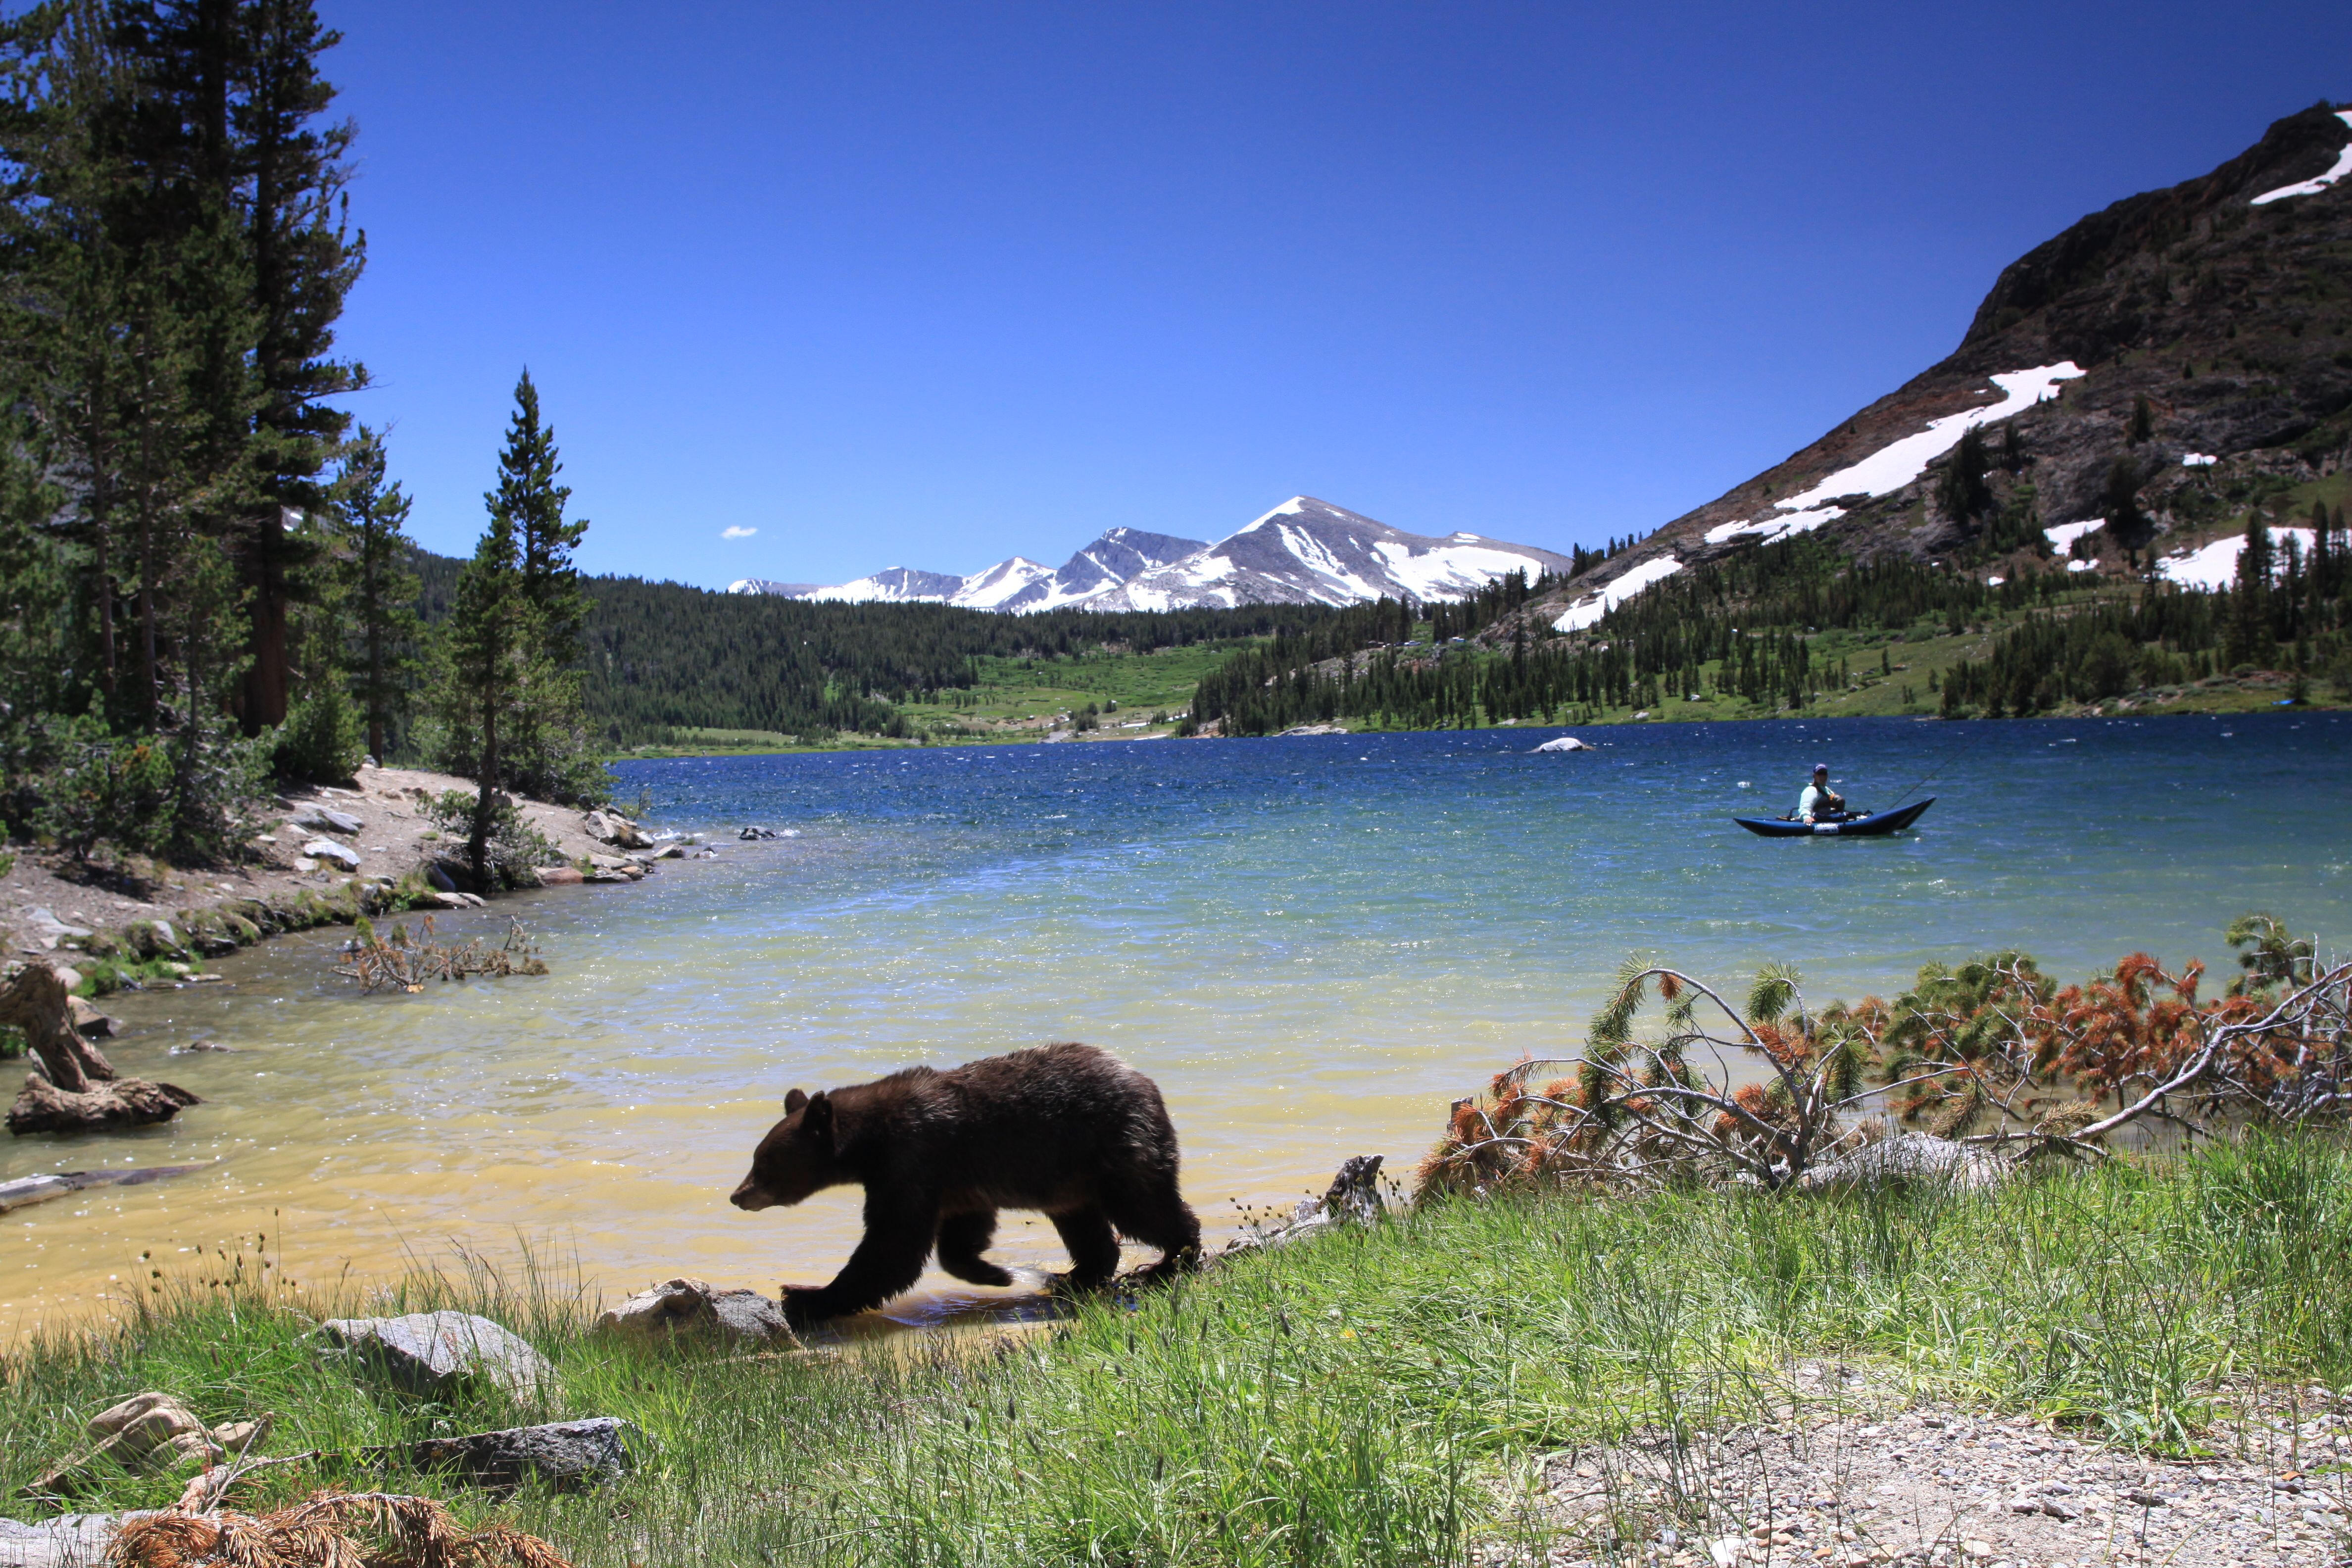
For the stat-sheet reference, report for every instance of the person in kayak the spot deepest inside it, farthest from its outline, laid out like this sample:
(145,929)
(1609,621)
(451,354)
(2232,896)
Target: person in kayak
(1819,802)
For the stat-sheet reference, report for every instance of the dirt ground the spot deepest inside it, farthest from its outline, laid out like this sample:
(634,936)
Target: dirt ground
(392,841)
(1883,1481)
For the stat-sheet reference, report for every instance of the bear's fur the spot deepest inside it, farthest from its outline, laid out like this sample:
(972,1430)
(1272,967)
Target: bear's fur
(1064,1129)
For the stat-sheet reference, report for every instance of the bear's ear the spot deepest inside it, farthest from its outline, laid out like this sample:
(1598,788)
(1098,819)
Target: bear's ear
(819,1119)
(793,1102)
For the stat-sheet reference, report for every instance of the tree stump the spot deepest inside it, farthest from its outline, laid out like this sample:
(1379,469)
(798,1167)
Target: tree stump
(77,1089)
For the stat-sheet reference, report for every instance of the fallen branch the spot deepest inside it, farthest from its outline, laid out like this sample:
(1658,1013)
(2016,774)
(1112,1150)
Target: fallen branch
(395,963)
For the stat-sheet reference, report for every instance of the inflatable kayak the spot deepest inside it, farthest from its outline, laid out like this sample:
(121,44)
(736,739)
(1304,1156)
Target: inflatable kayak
(1872,826)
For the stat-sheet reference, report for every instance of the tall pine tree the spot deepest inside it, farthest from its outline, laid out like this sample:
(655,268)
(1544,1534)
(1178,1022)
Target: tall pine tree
(384,624)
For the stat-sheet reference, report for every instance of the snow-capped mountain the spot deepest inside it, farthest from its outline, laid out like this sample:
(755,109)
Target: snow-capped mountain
(1120,555)
(1309,551)
(1304,552)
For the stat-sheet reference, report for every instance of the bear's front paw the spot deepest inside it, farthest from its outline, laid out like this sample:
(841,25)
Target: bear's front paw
(803,1305)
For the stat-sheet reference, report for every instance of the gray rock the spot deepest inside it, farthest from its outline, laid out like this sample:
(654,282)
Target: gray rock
(755,832)
(568,1455)
(439,876)
(72,1540)
(690,1308)
(329,850)
(428,1353)
(1910,1157)
(153,939)
(324,819)
(47,923)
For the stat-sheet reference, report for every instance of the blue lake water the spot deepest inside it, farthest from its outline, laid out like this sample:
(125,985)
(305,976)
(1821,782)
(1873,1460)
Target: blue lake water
(1312,943)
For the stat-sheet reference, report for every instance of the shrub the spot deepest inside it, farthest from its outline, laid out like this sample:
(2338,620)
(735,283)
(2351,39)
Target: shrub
(322,740)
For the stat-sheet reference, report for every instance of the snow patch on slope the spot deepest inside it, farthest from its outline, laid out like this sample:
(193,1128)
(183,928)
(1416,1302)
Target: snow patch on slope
(1588,611)
(2064,535)
(2215,565)
(1899,462)
(2313,186)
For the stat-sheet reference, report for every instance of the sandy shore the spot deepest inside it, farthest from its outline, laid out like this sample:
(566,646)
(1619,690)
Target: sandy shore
(44,898)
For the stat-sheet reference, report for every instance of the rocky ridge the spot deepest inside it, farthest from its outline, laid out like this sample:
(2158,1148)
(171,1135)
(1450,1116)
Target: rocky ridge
(2222,306)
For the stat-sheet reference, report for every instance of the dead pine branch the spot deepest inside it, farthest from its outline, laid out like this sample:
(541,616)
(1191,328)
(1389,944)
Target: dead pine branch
(331,1530)
(1994,1060)
(76,1089)
(396,960)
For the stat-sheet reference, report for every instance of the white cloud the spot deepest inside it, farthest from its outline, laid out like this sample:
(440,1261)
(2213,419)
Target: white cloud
(737,532)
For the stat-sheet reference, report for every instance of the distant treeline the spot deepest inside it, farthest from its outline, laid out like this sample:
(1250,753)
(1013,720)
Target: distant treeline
(2286,610)
(665,655)
(1739,626)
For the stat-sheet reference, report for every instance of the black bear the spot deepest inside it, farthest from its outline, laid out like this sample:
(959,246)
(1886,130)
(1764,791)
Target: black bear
(1064,1129)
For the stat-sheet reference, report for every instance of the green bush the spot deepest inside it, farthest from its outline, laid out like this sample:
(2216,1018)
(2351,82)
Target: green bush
(516,848)
(323,740)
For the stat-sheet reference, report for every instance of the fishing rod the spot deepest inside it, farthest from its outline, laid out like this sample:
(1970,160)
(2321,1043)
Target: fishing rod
(1934,770)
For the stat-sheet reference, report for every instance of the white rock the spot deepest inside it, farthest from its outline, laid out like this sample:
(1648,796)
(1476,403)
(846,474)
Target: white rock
(336,854)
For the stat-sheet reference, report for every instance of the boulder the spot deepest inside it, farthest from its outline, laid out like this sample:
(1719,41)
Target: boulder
(691,1309)
(324,819)
(559,875)
(431,1352)
(49,930)
(90,1023)
(152,939)
(750,832)
(439,878)
(1565,744)
(611,827)
(568,1455)
(335,853)
(1910,1157)
(1313,730)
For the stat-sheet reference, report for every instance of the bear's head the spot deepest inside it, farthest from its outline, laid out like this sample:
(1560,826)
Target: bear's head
(796,1158)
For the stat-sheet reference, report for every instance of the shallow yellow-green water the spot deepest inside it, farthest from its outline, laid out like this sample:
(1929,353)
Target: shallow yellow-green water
(1312,944)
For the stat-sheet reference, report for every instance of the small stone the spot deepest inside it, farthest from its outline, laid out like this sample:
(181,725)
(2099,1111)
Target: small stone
(559,875)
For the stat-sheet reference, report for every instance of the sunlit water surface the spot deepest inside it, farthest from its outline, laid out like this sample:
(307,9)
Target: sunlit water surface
(1313,944)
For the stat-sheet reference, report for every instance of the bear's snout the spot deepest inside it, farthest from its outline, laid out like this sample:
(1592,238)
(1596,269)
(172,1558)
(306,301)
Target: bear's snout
(752,1195)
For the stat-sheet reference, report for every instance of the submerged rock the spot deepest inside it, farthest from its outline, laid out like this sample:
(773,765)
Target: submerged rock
(431,1352)
(1564,743)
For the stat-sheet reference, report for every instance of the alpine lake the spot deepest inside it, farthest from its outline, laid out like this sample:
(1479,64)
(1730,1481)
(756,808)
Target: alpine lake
(1312,943)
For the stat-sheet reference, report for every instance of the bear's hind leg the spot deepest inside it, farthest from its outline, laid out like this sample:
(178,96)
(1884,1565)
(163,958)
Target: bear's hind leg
(1094,1246)
(1160,1219)
(962,1239)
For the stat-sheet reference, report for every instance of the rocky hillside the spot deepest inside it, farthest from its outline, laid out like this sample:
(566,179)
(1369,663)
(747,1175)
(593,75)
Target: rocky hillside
(2147,374)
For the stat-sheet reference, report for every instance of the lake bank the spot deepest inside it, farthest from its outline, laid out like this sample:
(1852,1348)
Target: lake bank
(1687,1379)
(1313,946)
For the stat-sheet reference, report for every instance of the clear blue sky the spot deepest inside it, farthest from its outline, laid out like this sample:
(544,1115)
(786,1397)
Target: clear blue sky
(933,285)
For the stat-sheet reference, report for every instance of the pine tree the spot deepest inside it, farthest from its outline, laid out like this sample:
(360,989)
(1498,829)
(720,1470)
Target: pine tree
(1962,494)
(2127,525)
(2143,420)
(2250,612)
(482,677)
(547,754)
(383,625)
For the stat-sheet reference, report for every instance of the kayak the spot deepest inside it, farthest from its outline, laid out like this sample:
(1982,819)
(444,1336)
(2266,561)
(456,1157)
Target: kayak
(1874,826)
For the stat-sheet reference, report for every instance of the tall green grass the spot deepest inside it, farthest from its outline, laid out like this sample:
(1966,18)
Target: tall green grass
(1367,1398)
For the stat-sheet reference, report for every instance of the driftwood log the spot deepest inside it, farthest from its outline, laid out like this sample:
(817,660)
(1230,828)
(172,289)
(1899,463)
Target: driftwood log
(76,1089)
